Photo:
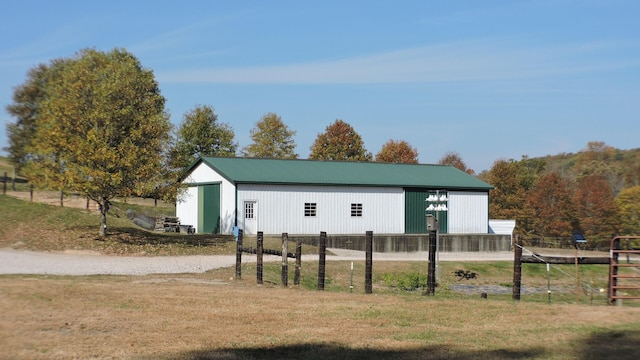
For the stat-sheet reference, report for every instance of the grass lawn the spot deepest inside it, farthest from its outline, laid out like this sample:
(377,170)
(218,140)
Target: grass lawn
(214,316)
(211,316)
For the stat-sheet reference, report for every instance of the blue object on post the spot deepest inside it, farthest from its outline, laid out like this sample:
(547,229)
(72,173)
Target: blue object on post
(579,238)
(235,232)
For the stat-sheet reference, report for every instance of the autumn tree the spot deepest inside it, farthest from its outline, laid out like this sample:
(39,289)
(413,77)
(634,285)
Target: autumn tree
(454,159)
(551,202)
(595,206)
(100,127)
(598,159)
(628,202)
(200,134)
(339,142)
(399,152)
(271,139)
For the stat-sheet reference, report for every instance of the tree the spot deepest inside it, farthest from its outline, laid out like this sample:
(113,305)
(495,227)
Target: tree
(452,158)
(271,139)
(27,101)
(100,127)
(601,159)
(596,210)
(507,200)
(339,142)
(200,134)
(398,152)
(550,200)
(628,202)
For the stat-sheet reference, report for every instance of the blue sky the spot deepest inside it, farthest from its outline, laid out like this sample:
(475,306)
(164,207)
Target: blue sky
(487,79)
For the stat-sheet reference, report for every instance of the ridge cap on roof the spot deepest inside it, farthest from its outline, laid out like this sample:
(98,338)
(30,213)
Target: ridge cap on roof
(322,161)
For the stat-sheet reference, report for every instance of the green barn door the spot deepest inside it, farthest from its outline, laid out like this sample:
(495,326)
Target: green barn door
(209,209)
(415,221)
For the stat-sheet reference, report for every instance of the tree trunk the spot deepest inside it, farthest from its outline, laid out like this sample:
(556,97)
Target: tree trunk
(103,205)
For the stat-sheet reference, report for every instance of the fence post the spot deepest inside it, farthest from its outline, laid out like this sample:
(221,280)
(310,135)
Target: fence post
(31,192)
(259,263)
(4,183)
(296,277)
(431,274)
(368,279)
(323,259)
(239,255)
(285,259)
(517,269)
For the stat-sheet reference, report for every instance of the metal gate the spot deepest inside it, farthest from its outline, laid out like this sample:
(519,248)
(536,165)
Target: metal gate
(624,268)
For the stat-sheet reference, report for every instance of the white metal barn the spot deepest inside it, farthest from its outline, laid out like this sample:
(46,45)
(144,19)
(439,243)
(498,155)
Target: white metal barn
(307,197)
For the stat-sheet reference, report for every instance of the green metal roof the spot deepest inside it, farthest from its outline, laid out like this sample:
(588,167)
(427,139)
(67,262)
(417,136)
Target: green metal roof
(341,173)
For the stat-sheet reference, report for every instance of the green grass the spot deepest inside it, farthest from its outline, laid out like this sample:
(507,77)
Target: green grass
(41,227)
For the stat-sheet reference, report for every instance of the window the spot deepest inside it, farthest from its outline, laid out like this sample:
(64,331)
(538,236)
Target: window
(248,210)
(309,209)
(356,210)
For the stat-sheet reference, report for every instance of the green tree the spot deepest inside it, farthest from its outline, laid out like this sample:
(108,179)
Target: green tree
(339,142)
(628,202)
(200,134)
(398,152)
(551,204)
(100,128)
(595,206)
(27,101)
(271,139)
(454,159)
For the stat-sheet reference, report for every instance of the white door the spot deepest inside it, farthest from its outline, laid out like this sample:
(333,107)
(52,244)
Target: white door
(250,217)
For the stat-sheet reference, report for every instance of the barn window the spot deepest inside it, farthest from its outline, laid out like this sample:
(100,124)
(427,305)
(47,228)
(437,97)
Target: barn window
(248,210)
(356,210)
(309,209)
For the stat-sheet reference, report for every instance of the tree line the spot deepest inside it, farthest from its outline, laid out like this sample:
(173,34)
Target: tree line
(595,192)
(96,124)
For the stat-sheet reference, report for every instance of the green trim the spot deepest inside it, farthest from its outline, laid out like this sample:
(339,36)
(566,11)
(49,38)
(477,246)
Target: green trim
(194,184)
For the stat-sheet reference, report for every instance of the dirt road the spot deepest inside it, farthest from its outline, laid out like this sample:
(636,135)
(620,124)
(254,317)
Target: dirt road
(84,263)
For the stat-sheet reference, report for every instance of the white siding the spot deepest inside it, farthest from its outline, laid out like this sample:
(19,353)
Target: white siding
(280,208)
(468,212)
(187,205)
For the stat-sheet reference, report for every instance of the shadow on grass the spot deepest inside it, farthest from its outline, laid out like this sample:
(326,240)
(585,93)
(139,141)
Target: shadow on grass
(613,344)
(334,352)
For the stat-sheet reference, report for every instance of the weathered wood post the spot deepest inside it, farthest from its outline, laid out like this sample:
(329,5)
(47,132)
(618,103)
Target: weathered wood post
(432,226)
(296,277)
(239,255)
(517,269)
(285,259)
(368,278)
(259,250)
(4,183)
(31,192)
(322,249)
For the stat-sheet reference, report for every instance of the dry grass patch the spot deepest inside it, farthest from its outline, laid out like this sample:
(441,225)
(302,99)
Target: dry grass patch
(210,317)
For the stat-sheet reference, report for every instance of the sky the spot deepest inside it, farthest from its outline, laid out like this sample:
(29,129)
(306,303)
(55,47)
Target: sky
(487,79)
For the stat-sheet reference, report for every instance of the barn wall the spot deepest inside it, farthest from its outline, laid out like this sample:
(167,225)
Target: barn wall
(187,205)
(468,212)
(280,208)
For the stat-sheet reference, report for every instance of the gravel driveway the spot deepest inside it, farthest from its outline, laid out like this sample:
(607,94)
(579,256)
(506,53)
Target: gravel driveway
(78,263)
